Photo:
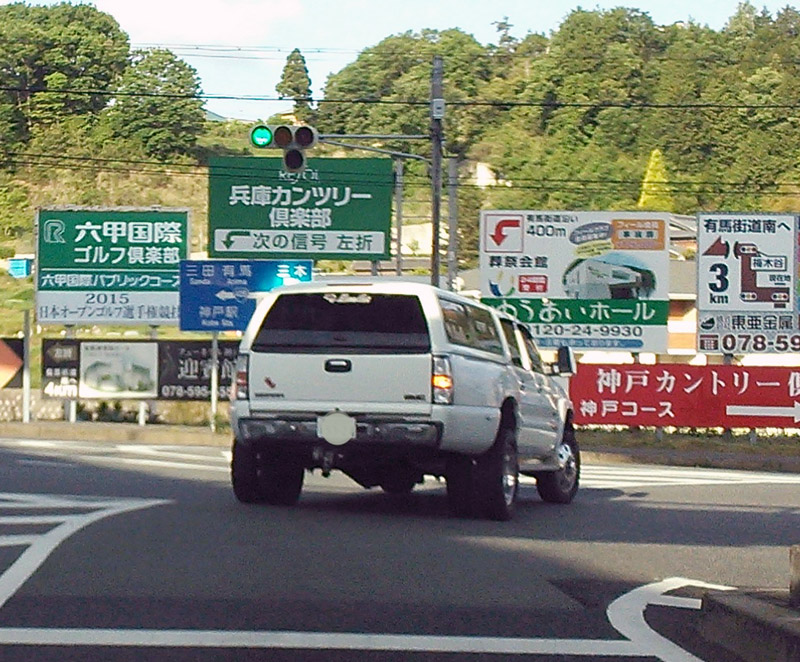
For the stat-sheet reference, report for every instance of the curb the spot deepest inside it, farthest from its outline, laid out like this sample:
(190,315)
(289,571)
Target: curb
(120,433)
(758,626)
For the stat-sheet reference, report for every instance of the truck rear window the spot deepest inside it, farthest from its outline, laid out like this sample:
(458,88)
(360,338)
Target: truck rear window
(341,321)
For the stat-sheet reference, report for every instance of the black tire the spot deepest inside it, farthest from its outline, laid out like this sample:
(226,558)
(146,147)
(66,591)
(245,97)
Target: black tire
(497,478)
(282,481)
(244,475)
(460,477)
(258,479)
(562,485)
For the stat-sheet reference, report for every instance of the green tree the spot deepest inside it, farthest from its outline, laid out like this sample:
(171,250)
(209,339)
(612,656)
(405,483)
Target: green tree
(76,46)
(655,195)
(397,71)
(296,84)
(157,104)
(16,218)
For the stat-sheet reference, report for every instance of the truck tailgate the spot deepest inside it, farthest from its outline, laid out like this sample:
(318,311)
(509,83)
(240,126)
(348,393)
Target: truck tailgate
(280,380)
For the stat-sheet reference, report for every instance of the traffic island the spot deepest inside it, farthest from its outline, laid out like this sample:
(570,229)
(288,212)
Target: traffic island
(757,626)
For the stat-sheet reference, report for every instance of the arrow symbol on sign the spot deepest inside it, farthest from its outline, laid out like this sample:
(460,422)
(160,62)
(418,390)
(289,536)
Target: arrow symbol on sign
(758,410)
(498,235)
(719,247)
(228,241)
(225,295)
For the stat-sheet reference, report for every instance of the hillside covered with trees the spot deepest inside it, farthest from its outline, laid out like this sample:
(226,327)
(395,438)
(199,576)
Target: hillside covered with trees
(570,120)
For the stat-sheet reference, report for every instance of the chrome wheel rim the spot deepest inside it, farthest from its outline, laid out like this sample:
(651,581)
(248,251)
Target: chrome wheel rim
(568,473)
(510,476)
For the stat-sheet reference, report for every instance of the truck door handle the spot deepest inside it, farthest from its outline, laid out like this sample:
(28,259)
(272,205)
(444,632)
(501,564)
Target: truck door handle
(338,365)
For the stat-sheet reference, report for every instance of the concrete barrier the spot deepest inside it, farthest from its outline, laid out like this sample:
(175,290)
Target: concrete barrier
(757,626)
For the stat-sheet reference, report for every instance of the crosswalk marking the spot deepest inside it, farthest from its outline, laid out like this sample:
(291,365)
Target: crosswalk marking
(217,461)
(624,476)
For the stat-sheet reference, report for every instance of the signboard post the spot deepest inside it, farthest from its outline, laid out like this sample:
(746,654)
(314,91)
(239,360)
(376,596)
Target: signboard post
(109,266)
(334,209)
(747,299)
(591,280)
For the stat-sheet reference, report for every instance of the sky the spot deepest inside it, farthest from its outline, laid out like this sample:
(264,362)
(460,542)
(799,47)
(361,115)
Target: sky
(239,47)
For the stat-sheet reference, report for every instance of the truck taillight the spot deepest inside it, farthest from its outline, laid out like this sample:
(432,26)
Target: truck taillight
(239,388)
(442,381)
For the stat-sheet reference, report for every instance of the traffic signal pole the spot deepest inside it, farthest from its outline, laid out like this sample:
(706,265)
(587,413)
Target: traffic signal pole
(437,114)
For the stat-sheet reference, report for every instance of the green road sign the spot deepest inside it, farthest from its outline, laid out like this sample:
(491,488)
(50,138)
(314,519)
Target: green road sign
(109,266)
(334,209)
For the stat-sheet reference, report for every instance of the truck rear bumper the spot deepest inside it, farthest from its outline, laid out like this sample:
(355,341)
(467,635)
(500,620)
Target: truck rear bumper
(297,430)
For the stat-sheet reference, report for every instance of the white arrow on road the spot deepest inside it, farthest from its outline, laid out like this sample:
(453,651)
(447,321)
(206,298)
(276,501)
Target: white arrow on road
(761,410)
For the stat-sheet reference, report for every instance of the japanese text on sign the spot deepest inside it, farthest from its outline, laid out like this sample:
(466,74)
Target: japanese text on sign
(686,396)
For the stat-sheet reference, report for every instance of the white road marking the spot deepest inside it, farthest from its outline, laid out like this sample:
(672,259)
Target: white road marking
(166,464)
(317,641)
(626,614)
(593,476)
(40,546)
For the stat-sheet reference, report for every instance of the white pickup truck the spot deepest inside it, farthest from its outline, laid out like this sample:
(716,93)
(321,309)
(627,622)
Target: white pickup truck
(389,381)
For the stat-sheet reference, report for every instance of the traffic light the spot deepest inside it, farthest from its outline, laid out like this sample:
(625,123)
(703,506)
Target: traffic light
(292,139)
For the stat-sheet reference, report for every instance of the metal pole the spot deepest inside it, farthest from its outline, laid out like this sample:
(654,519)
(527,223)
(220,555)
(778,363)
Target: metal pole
(437,113)
(727,433)
(398,210)
(452,223)
(214,378)
(72,405)
(144,406)
(26,367)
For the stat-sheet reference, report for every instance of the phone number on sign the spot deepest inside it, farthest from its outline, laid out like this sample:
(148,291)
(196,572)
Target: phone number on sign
(191,392)
(731,343)
(587,330)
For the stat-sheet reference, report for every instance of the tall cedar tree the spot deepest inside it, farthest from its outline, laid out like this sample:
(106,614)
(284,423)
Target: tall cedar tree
(296,84)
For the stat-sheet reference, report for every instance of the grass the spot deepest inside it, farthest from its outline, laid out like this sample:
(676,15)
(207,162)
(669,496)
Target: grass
(777,442)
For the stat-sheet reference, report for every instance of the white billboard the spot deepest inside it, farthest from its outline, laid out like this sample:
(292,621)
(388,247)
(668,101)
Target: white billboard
(747,299)
(591,280)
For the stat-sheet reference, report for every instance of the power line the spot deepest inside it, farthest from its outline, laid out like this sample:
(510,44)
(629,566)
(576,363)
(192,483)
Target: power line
(467,103)
(545,185)
(377,51)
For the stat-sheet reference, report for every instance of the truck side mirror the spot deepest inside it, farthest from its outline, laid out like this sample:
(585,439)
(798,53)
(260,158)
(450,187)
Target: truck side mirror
(565,361)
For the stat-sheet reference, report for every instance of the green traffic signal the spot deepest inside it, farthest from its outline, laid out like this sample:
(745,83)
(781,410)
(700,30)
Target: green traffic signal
(292,139)
(261,135)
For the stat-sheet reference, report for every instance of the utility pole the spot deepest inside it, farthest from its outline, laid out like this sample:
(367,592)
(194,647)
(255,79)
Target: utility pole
(452,222)
(398,207)
(437,114)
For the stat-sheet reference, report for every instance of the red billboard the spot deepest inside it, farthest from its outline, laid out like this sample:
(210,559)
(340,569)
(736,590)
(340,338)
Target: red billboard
(686,396)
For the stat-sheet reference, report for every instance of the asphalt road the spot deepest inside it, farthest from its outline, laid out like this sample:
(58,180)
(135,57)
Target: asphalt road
(123,552)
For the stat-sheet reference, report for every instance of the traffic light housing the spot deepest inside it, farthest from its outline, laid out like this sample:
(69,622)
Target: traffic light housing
(292,139)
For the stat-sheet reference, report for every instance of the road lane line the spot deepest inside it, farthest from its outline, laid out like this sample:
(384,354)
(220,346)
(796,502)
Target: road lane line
(318,641)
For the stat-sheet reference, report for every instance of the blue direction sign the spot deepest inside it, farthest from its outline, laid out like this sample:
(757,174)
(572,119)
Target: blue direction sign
(216,295)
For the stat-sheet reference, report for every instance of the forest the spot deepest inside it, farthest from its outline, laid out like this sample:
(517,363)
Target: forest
(609,111)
